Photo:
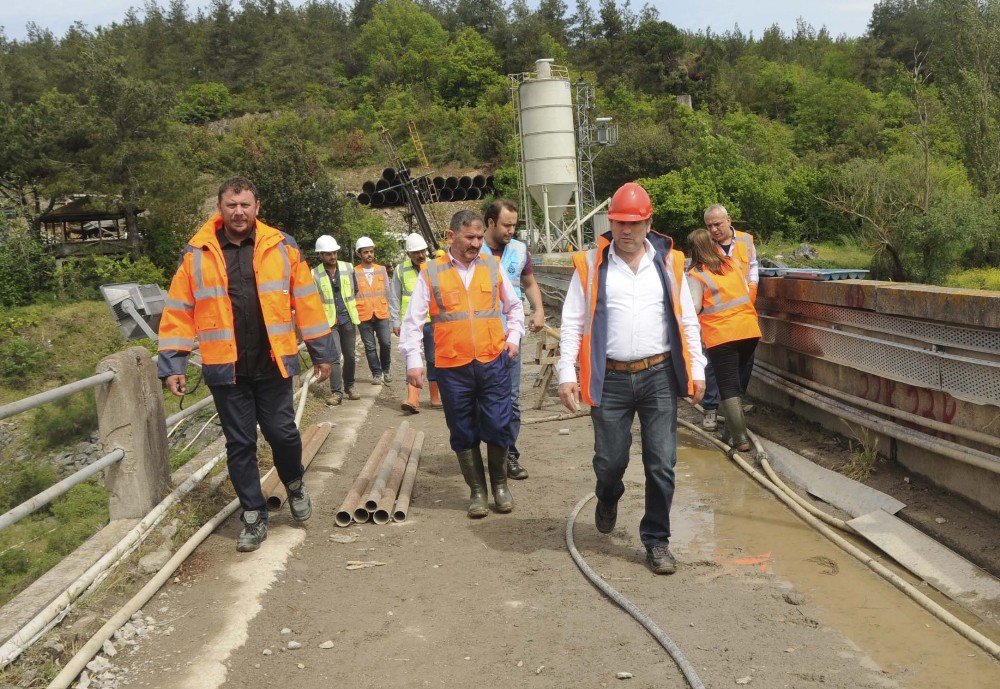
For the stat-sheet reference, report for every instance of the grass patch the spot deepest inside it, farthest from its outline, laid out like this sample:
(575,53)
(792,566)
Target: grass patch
(845,252)
(69,420)
(975,278)
(864,455)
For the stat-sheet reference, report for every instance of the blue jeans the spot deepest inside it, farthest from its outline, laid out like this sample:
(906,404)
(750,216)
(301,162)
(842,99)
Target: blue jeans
(266,400)
(429,351)
(515,406)
(476,399)
(653,395)
(378,361)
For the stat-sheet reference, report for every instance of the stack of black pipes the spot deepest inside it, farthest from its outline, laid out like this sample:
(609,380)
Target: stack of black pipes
(387,190)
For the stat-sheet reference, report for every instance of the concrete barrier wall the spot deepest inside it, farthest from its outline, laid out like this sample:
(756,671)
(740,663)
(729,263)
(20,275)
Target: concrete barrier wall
(929,351)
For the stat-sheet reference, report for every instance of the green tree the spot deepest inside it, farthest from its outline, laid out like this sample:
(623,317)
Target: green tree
(204,102)
(473,69)
(402,45)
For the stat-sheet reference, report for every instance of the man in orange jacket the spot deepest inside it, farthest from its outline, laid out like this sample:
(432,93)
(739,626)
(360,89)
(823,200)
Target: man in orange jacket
(372,301)
(241,289)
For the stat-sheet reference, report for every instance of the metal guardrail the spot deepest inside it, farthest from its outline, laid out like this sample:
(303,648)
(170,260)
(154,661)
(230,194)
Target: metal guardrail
(52,492)
(190,411)
(54,394)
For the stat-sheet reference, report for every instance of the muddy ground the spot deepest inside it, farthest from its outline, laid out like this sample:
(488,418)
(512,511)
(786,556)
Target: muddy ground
(759,598)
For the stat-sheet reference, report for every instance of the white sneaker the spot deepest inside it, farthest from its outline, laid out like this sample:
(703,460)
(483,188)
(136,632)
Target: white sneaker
(377,380)
(710,422)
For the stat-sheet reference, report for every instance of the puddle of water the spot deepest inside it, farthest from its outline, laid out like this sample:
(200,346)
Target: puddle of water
(721,514)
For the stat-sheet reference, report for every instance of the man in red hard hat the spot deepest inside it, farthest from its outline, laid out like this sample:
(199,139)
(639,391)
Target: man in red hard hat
(629,319)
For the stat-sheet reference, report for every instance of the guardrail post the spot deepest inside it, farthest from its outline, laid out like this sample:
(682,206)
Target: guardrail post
(130,416)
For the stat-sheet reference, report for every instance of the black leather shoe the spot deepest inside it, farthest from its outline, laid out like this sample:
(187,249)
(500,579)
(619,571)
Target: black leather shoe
(605,517)
(515,470)
(661,560)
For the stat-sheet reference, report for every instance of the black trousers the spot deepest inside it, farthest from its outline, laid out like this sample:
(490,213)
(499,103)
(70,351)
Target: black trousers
(266,400)
(733,365)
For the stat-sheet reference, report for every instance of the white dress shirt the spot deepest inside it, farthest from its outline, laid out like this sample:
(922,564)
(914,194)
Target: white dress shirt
(635,317)
(411,331)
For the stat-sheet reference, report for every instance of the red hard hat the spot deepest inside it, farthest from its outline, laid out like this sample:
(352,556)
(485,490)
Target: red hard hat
(630,204)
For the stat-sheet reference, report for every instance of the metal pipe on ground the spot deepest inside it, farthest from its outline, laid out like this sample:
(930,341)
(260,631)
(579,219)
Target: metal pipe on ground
(853,400)
(446,194)
(54,491)
(391,198)
(405,492)
(489,180)
(473,194)
(55,394)
(401,445)
(383,510)
(345,513)
(438,182)
(939,446)
(451,182)
(378,200)
(479,181)
(369,188)
(382,185)
(389,174)
(459,195)
(364,199)
(274,490)
(465,182)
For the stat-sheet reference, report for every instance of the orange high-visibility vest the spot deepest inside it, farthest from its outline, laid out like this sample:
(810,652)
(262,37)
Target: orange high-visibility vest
(593,341)
(198,306)
(373,299)
(467,322)
(743,252)
(727,314)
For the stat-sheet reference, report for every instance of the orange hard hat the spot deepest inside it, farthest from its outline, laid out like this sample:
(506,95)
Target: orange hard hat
(630,204)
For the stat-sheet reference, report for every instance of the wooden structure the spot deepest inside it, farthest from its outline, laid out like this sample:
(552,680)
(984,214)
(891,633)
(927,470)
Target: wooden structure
(546,356)
(82,227)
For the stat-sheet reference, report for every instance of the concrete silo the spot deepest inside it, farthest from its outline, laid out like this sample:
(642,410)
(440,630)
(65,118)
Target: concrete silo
(547,137)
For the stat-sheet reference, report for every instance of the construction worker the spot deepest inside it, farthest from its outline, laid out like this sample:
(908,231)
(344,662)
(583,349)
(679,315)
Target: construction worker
(729,327)
(241,289)
(467,296)
(739,246)
(629,319)
(515,260)
(372,301)
(400,290)
(337,286)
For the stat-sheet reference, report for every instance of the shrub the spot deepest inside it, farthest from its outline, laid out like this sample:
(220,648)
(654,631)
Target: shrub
(975,278)
(71,419)
(20,481)
(204,103)
(80,279)
(26,268)
(20,360)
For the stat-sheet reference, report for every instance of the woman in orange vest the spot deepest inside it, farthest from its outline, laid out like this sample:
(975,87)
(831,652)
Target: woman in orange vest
(729,325)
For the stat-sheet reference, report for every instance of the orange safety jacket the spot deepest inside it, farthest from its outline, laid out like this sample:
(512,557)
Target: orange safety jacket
(467,323)
(743,252)
(592,268)
(198,306)
(373,299)
(727,314)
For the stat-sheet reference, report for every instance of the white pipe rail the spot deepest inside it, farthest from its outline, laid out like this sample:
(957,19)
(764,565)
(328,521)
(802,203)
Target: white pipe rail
(193,409)
(54,394)
(54,491)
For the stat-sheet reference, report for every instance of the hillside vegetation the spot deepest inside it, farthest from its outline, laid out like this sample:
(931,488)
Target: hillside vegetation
(889,140)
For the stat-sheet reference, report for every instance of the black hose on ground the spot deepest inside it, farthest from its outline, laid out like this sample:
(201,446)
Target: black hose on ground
(628,606)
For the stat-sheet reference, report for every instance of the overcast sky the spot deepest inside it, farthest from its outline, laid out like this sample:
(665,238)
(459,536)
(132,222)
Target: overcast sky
(839,16)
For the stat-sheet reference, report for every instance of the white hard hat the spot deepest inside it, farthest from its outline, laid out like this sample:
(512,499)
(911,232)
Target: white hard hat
(326,243)
(364,243)
(415,242)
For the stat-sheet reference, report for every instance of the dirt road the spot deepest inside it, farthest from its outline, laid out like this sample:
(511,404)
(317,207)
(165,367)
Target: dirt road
(759,598)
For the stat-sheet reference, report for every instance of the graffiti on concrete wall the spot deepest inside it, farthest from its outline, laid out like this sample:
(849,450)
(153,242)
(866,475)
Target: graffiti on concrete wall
(930,404)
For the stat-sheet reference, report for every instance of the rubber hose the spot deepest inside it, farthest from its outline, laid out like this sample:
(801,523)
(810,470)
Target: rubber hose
(628,606)
(906,587)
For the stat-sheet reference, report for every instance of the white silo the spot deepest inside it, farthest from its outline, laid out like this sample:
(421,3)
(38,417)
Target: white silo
(548,150)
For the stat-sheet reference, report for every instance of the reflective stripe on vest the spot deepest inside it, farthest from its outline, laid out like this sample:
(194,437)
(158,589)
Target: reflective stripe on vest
(727,314)
(469,328)
(324,283)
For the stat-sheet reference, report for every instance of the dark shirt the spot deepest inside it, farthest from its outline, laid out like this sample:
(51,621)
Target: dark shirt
(253,349)
(343,316)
